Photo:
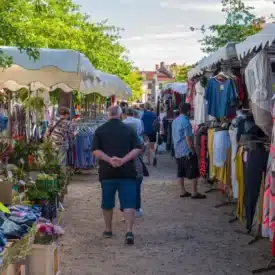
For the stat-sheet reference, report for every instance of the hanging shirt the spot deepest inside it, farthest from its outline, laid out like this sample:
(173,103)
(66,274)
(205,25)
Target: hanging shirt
(200,111)
(221,144)
(258,80)
(181,128)
(219,96)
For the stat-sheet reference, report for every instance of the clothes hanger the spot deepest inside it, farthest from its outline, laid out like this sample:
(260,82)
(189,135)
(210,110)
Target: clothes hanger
(220,77)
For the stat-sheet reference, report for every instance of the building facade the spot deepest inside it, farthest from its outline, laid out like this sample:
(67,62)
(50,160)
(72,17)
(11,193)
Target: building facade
(153,81)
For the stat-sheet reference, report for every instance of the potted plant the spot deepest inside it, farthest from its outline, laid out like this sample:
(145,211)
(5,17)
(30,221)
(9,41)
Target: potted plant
(44,257)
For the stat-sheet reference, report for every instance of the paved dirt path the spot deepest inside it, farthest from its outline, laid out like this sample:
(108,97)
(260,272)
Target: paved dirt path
(175,236)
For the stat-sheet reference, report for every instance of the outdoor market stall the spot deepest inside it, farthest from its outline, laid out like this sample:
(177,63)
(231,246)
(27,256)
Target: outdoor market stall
(233,142)
(33,182)
(172,94)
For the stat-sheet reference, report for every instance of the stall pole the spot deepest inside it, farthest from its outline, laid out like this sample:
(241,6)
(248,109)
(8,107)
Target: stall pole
(9,94)
(28,117)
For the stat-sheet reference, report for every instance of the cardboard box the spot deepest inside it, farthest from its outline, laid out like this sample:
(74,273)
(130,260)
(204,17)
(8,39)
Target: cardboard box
(14,269)
(44,260)
(6,192)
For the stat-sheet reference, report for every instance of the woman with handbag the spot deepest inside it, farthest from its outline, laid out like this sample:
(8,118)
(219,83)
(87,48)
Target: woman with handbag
(60,132)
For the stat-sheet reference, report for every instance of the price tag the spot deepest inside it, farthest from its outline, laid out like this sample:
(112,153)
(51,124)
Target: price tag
(10,175)
(222,87)
(21,196)
(22,182)
(245,155)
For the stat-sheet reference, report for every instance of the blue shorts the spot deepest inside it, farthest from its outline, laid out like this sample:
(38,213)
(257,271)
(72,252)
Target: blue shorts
(127,193)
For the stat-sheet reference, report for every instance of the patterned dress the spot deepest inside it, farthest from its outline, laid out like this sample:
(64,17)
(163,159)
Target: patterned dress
(60,137)
(268,226)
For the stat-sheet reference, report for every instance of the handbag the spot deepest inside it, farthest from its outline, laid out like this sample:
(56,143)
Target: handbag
(144,168)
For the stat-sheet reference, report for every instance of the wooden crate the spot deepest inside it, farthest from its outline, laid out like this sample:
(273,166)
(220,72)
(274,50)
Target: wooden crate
(15,269)
(44,260)
(6,192)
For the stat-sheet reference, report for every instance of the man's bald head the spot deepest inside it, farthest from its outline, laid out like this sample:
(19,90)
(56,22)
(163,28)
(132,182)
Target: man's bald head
(114,112)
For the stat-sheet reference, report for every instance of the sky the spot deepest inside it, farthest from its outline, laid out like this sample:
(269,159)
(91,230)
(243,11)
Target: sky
(159,30)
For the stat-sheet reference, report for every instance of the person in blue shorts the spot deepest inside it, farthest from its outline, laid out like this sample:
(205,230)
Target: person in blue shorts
(117,145)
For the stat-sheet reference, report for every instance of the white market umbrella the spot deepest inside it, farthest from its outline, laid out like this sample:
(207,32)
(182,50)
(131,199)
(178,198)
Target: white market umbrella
(110,85)
(68,70)
(65,69)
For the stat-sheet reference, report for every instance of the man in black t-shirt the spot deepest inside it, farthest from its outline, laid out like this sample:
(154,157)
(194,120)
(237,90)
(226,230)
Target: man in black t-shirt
(117,145)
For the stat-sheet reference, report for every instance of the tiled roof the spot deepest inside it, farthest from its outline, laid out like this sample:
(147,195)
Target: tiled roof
(149,75)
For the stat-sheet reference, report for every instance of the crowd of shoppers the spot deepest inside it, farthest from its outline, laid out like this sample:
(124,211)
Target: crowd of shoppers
(120,144)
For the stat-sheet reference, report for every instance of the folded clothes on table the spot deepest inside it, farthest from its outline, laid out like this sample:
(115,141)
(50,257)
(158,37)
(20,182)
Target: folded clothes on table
(16,224)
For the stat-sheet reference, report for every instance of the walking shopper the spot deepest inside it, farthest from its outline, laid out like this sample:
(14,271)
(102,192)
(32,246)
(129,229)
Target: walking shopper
(187,160)
(148,120)
(117,145)
(137,125)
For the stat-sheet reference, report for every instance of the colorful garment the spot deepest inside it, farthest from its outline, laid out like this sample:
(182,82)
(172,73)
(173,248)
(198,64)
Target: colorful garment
(268,226)
(203,156)
(219,95)
(240,181)
(210,145)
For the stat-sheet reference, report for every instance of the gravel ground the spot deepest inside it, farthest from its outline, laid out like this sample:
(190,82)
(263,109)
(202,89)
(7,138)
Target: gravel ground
(175,236)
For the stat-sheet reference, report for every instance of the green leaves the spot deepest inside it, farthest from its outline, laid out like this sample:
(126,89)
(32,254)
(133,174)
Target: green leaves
(240,23)
(31,24)
(180,72)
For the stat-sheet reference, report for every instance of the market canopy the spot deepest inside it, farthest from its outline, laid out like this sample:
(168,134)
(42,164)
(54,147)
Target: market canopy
(222,54)
(177,87)
(110,85)
(68,70)
(264,38)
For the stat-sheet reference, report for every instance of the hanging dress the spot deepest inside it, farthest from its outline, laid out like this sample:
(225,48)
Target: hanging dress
(269,193)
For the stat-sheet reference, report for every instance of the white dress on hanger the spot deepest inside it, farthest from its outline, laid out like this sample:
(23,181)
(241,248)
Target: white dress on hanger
(200,109)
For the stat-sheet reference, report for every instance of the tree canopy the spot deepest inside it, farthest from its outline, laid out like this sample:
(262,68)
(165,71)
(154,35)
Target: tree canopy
(31,24)
(180,72)
(239,24)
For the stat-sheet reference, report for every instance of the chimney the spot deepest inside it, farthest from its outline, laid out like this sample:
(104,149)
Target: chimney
(162,64)
(157,67)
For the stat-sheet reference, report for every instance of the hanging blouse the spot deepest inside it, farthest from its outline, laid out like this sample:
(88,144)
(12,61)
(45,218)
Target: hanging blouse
(219,96)
(200,108)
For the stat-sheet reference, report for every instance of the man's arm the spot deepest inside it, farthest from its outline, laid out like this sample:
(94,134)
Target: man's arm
(130,156)
(189,138)
(102,156)
(190,144)
(137,149)
(97,149)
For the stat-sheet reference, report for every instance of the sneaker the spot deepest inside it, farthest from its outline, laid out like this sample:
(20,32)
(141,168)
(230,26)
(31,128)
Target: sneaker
(107,234)
(139,213)
(129,238)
